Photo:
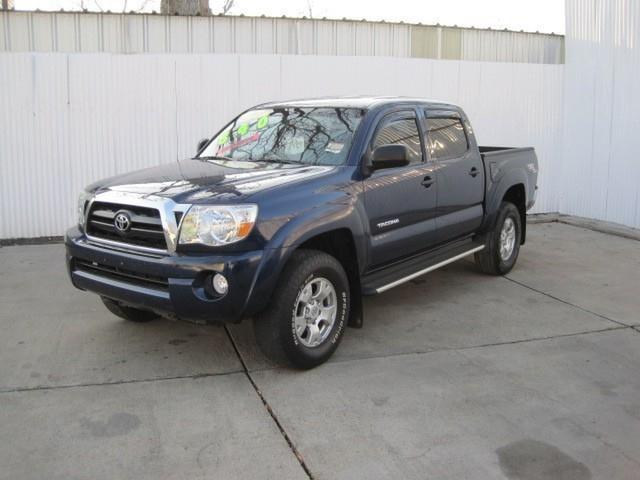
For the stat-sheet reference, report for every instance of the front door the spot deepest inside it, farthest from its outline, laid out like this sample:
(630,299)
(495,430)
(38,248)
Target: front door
(400,202)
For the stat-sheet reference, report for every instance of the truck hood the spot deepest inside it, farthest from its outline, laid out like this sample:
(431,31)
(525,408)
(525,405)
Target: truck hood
(209,181)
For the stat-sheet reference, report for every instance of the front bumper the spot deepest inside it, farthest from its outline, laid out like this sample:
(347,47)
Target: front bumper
(171,285)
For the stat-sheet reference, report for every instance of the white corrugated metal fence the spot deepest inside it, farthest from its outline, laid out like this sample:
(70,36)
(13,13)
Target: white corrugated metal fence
(601,158)
(67,120)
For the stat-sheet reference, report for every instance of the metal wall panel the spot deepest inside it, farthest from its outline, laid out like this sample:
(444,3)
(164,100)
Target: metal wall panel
(425,42)
(69,119)
(602,111)
(43,33)
(144,33)
(494,45)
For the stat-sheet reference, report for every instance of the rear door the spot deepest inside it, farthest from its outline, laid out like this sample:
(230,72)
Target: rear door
(400,202)
(460,174)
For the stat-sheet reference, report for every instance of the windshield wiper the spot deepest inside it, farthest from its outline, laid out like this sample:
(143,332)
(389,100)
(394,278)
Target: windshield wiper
(278,160)
(215,157)
(265,160)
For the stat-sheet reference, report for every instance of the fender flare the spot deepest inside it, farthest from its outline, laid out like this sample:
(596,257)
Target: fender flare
(297,231)
(498,189)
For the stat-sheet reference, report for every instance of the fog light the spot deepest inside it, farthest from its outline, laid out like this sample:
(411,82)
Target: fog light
(220,284)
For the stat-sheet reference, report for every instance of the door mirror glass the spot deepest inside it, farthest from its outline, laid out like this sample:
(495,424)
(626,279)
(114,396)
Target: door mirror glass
(389,156)
(201,145)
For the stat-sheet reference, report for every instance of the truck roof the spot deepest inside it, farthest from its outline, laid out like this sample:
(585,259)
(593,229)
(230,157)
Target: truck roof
(354,102)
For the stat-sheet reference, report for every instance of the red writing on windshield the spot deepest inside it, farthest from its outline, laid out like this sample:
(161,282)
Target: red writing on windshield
(233,146)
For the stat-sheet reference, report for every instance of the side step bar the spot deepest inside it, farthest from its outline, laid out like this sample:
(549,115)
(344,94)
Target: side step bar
(385,283)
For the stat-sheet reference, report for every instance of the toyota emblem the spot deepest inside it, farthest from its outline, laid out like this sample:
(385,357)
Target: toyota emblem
(122,222)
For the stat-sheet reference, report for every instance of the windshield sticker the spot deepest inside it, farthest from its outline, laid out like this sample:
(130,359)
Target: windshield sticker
(240,143)
(295,146)
(243,129)
(263,122)
(334,147)
(224,138)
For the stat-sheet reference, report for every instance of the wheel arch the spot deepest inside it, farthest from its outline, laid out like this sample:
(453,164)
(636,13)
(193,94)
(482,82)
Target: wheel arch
(340,244)
(511,187)
(516,194)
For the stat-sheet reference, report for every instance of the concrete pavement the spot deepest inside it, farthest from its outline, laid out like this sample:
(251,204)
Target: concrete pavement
(456,375)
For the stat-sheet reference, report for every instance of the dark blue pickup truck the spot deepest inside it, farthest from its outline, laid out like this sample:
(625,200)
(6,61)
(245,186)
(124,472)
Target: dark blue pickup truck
(294,210)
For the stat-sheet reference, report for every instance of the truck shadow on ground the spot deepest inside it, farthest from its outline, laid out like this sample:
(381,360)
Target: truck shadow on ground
(433,312)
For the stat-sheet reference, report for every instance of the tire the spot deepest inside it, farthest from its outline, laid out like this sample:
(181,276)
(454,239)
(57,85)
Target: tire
(301,291)
(128,313)
(492,260)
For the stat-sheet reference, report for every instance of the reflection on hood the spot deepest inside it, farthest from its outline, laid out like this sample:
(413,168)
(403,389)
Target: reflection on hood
(192,181)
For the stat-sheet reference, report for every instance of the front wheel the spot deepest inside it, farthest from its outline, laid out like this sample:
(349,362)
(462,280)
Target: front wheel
(503,243)
(308,313)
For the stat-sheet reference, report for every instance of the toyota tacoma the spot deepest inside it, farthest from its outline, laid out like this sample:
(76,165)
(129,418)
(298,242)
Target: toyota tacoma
(295,210)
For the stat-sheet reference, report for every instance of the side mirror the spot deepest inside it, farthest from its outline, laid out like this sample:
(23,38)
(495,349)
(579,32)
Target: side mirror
(201,145)
(389,156)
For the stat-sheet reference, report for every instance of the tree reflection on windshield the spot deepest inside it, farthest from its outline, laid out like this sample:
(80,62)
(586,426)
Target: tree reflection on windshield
(311,136)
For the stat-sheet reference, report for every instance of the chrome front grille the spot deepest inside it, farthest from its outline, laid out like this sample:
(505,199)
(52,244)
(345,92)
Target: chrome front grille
(144,227)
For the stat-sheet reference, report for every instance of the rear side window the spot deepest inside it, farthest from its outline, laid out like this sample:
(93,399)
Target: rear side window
(400,131)
(446,138)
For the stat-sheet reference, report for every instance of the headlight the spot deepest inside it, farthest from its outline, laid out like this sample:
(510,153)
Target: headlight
(83,200)
(217,225)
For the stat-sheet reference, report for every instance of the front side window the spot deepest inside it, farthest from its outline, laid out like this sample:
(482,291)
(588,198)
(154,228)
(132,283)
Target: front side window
(310,136)
(400,131)
(446,138)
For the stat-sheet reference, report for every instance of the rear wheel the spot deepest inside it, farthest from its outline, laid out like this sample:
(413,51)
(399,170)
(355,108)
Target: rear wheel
(308,313)
(503,243)
(128,313)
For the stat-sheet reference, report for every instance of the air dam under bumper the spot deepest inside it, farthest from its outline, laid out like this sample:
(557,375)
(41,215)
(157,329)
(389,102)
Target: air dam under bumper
(172,285)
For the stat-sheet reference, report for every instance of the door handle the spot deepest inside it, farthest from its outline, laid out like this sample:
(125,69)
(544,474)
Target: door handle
(427,182)
(473,172)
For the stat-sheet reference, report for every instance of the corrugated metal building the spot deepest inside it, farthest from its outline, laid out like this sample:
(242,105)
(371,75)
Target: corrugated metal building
(149,33)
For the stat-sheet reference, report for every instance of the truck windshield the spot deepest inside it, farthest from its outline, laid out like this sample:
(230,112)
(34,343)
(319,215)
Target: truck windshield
(309,136)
